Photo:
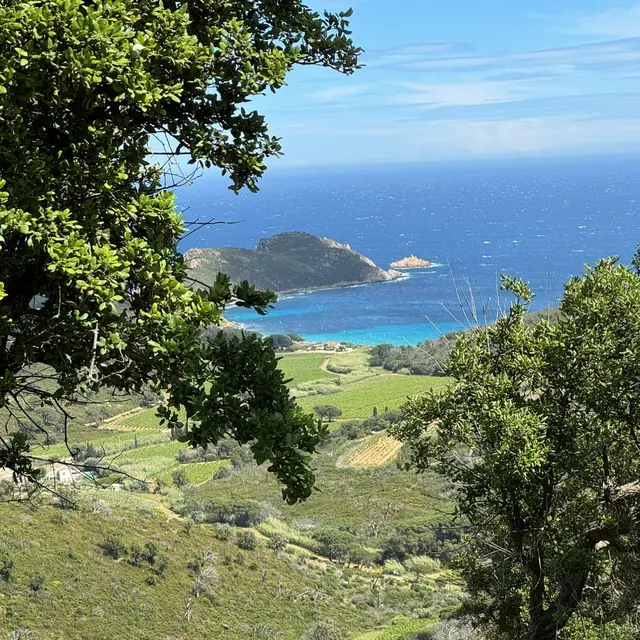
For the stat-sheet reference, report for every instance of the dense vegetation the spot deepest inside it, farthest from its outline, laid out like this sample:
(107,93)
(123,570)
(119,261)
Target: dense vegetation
(538,432)
(290,261)
(94,292)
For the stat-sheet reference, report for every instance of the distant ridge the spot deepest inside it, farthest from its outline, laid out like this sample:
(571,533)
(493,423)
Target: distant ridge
(287,262)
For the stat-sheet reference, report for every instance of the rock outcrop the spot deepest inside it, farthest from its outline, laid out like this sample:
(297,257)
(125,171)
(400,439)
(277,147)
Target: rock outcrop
(288,262)
(412,262)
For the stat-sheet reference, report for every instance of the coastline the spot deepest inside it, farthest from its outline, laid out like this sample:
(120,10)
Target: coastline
(343,285)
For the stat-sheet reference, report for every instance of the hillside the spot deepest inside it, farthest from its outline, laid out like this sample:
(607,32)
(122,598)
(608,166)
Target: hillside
(291,261)
(227,557)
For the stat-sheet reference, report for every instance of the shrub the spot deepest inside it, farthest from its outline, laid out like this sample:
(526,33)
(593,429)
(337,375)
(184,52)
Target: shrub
(222,531)
(241,513)
(113,548)
(180,478)
(36,583)
(101,507)
(247,540)
(280,342)
(323,631)
(351,430)
(221,473)
(337,369)
(66,497)
(161,564)
(277,542)
(6,569)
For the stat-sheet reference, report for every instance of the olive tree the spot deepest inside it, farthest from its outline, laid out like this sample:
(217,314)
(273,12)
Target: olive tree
(539,434)
(103,104)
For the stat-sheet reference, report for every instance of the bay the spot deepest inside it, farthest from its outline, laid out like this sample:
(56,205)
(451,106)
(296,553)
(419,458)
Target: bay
(540,220)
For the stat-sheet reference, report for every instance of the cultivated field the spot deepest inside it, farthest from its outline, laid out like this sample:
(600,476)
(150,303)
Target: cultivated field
(374,452)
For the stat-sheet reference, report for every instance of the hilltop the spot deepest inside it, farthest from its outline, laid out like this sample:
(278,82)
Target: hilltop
(292,261)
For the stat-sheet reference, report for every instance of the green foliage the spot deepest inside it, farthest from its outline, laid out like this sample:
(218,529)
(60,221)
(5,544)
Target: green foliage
(90,595)
(179,477)
(241,513)
(113,548)
(328,412)
(277,542)
(539,435)
(280,342)
(427,359)
(334,368)
(92,284)
(247,540)
(323,631)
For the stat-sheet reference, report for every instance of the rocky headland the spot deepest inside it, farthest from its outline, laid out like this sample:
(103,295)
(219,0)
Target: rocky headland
(288,262)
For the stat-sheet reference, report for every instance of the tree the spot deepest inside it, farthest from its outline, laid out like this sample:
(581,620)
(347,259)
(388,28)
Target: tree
(422,565)
(179,477)
(94,291)
(538,433)
(328,412)
(281,342)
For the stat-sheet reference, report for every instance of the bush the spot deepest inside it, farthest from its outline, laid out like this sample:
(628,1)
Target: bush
(222,531)
(277,542)
(280,342)
(337,369)
(323,631)
(351,430)
(66,497)
(427,359)
(36,583)
(247,540)
(241,513)
(113,548)
(179,477)
(6,569)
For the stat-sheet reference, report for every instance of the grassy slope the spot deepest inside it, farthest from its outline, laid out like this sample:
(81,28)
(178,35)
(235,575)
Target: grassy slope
(87,595)
(304,367)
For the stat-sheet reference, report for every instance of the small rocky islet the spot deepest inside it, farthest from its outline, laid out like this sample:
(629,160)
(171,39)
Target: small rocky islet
(412,262)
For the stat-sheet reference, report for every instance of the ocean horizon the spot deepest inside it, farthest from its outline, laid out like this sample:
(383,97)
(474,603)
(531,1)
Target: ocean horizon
(538,220)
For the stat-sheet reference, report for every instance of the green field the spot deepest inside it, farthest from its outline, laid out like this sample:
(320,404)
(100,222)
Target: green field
(195,473)
(304,367)
(358,399)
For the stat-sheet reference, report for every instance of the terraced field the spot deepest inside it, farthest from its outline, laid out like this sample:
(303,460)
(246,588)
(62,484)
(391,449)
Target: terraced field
(375,452)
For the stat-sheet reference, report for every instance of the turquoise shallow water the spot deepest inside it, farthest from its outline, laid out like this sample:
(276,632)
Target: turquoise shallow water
(539,220)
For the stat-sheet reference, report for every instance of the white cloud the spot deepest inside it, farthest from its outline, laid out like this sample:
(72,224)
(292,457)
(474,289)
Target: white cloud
(339,92)
(522,136)
(614,52)
(614,23)
(436,95)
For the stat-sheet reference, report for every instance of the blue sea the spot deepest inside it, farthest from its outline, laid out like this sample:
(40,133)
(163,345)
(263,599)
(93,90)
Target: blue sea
(541,220)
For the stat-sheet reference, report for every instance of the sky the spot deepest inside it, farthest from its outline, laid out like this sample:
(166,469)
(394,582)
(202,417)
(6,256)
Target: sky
(466,79)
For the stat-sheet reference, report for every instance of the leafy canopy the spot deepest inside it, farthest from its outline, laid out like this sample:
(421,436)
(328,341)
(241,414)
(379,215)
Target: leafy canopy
(539,435)
(93,289)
